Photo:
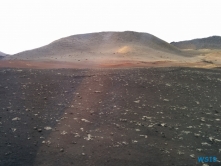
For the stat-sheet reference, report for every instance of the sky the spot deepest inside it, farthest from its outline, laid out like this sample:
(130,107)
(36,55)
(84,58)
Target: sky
(29,24)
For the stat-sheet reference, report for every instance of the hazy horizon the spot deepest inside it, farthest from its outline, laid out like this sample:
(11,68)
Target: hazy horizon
(32,24)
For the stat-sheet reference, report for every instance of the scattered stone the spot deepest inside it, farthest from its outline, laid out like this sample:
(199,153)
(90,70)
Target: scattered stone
(124,143)
(64,133)
(13,129)
(47,128)
(202,119)
(205,164)
(186,132)
(211,139)
(146,118)
(168,84)
(77,135)
(61,150)
(85,120)
(89,137)
(180,153)
(123,120)
(134,141)
(16,119)
(205,144)
(39,130)
(145,136)
(199,150)
(196,135)
(217,140)
(138,101)
(163,124)
(192,155)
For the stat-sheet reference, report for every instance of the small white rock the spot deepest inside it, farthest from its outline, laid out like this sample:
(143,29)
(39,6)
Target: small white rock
(205,144)
(16,119)
(199,150)
(205,165)
(85,120)
(192,155)
(217,140)
(63,132)
(196,135)
(47,128)
(13,129)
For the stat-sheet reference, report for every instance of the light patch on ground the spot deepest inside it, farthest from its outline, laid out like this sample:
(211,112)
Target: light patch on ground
(124,49)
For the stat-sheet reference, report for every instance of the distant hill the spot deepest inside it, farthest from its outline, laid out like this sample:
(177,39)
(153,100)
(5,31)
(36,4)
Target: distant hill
(2,55)
(102,44)
(213,42)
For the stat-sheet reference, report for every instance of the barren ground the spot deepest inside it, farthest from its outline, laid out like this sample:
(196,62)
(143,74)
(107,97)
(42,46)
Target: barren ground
(138,116)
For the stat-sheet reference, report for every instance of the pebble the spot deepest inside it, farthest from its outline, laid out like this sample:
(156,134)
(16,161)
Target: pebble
(47,128)
(205,144)
(85,120)
(192,155)
(63,132)
(16,119)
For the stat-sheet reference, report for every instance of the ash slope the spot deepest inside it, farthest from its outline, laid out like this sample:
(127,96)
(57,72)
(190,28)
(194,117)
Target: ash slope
(103,45)
(213,42)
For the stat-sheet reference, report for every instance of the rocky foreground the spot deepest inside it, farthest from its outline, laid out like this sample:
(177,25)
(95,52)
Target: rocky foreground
(155,116)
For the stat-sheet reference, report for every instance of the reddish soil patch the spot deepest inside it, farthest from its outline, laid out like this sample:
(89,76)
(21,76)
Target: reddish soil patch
(44,64)
(81,65)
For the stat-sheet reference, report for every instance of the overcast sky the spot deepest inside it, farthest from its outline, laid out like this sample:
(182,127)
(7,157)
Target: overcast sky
(28,24)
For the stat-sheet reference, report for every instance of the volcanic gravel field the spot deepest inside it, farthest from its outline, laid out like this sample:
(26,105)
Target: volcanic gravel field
(131,117)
